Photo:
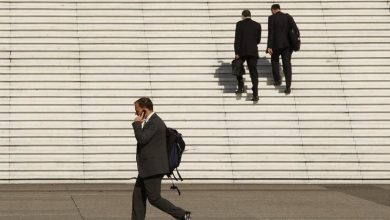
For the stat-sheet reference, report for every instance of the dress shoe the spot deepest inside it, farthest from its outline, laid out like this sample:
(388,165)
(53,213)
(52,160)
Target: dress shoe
(187,216)
(287,91)
(255,98)
(277,83)
(239,91)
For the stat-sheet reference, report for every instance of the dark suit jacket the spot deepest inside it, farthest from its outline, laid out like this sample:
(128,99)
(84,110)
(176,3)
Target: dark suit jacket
(152,156)
(248,36)
(279,26)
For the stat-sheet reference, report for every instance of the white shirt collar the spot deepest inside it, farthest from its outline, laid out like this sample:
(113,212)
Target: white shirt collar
(147,119)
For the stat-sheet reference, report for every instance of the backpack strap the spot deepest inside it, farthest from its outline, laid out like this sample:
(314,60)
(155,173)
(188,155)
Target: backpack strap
(174,176)
(181,178)
(174,187)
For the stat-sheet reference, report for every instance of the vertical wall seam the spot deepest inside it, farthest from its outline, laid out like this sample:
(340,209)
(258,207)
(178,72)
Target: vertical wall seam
(80,93)
(147,48)
(308,179)
(9,92)
(227,130)
(345,98)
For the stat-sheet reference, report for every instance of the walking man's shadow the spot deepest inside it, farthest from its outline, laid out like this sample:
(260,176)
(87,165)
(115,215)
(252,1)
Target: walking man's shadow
(229,81)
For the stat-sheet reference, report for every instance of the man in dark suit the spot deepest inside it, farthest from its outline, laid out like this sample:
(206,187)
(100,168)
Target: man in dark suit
(279,26)
(152,162)
(247,37)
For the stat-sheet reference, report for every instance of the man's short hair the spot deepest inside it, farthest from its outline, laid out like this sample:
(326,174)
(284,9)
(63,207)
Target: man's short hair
(275,7)
(246,13)
(145,102)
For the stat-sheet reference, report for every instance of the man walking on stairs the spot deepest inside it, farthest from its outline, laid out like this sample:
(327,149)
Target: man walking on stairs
(247,37)
(152,163)
(279,26)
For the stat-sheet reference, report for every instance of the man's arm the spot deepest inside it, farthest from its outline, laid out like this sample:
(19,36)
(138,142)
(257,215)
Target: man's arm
(237,40)
(259,39)
(143,136)
(270,40)
(270,33)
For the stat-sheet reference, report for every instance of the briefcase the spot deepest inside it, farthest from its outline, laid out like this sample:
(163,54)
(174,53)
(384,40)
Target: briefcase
(238,67)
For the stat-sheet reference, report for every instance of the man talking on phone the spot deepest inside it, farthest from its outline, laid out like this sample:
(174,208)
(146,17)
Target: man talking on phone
(152,163)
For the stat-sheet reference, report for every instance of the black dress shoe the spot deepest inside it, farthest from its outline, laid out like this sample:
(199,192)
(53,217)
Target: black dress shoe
(255,98)
(187,216)
(277,83)
(287,91)
(239,91)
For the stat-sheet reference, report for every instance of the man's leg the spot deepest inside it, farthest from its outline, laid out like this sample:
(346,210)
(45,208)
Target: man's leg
(275,67)
(252,66)
(286,58)
(153,191)
(139,200)
(240,81)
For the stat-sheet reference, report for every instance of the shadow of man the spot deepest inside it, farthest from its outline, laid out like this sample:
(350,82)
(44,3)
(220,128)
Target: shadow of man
(230,83)
(225,78)
(265,66)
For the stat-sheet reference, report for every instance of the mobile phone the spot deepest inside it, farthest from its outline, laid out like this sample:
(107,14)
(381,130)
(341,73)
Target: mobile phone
(144,114)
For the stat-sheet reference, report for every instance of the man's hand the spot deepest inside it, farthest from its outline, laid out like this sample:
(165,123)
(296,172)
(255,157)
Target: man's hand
(140,118)
(269,50)
(237,56)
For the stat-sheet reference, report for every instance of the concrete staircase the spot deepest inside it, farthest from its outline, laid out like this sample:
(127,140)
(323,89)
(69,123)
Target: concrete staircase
(70,71)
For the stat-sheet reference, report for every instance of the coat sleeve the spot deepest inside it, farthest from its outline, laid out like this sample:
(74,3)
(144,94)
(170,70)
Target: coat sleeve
(237,40)
(143,136)
(270,33)
(259,39)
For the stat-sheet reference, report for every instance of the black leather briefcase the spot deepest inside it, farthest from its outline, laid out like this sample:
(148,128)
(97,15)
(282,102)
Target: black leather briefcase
(238,67)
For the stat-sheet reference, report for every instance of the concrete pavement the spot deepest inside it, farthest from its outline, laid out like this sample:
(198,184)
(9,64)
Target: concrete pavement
(207,202)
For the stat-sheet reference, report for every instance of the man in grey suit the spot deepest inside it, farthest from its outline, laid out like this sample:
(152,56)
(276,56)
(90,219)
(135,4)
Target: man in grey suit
(152,162)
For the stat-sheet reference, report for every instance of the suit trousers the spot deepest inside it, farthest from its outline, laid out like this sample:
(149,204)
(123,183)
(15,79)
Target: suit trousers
(252,66)
(150,189)
(286,59)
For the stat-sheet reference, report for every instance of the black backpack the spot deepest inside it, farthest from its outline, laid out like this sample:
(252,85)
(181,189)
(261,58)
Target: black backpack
(175,149)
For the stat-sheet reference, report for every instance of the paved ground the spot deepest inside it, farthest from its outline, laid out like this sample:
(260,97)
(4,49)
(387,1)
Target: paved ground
(207,202)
